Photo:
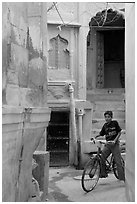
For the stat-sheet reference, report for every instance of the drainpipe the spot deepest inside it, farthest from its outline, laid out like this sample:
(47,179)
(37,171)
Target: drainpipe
(73,120)
(79,139)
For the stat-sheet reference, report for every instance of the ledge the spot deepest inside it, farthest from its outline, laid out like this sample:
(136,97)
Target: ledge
(60,83)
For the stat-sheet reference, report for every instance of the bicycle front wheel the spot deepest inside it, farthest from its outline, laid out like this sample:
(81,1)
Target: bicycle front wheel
(90,175)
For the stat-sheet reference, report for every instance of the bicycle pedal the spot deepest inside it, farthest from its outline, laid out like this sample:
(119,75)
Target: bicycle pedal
(91,175)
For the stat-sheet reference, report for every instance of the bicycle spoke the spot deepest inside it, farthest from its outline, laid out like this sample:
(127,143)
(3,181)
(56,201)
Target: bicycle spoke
(90,175)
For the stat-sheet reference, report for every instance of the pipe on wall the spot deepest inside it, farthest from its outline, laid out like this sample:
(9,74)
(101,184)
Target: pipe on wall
(79,137)
(73,120)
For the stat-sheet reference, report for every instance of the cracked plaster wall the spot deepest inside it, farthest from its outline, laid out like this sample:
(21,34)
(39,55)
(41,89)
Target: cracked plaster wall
(24,61)
(24,84)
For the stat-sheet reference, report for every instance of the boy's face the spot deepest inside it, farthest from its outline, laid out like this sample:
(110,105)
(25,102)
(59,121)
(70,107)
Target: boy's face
(108,118)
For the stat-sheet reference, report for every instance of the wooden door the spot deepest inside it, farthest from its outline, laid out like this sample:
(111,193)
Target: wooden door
(100,60)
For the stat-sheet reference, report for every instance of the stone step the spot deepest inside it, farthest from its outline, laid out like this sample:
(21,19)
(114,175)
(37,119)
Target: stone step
(104,97)
(98,123)
(105,94)
(116,114)
(96,132)
(109,105)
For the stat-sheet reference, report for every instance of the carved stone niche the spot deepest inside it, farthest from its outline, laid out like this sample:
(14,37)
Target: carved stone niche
(57,93)
(59,56)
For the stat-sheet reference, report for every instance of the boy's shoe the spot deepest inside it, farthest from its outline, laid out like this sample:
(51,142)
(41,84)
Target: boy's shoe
(103,175)
(121,180)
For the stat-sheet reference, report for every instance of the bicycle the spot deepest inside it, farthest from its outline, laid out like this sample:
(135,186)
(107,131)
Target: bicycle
(91,172)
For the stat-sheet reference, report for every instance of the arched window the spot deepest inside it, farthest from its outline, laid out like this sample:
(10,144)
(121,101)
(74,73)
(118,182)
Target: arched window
(59,57)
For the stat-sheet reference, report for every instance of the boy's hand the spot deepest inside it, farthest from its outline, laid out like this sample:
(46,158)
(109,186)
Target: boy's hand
(111,142)
(97,136)
(92,139)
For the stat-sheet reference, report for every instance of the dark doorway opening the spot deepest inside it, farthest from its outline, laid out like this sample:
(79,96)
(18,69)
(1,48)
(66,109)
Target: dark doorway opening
(58,138)
(106,48)
(110,58)
(114,74)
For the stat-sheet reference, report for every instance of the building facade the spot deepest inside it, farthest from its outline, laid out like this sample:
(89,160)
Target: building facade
(85,46)
(87,68)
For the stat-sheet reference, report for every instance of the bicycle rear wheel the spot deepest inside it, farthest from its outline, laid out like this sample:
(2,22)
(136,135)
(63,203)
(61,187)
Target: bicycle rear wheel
(90,175)
(114,166)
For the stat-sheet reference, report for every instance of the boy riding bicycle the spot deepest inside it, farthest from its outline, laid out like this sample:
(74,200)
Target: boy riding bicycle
(112,132)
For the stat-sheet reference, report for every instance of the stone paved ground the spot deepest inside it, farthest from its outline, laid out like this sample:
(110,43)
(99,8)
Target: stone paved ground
(65,186)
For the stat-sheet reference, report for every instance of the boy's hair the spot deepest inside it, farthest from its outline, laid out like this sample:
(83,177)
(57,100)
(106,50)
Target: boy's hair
(108,113)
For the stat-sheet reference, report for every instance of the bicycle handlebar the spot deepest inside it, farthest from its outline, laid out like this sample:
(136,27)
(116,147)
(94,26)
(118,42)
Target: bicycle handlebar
(95,140)
(102,142)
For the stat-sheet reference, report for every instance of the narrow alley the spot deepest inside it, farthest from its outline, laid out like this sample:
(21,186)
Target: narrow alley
(65,186)
(64,64)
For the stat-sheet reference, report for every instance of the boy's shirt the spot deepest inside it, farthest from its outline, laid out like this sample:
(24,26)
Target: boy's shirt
(110,130)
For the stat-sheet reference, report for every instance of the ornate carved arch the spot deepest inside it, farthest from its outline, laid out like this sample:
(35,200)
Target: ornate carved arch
(108,17)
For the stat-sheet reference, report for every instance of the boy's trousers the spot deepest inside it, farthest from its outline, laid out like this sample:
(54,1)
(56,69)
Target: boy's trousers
(115,150)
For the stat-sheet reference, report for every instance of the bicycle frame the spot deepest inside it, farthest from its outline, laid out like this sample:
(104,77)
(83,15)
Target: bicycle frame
(107,162)
(98,155)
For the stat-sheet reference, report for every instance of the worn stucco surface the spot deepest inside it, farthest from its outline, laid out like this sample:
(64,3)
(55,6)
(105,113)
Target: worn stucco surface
(24,63)
(130,102)
(24,85)
(22,130)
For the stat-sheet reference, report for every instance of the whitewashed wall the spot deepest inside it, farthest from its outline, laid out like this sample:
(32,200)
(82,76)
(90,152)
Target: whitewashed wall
(130,101)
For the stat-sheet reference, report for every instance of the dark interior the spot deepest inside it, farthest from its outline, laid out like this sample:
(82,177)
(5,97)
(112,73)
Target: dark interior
(58,138)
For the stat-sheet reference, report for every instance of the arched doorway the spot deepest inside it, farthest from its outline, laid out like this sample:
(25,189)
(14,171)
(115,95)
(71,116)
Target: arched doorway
(105,55)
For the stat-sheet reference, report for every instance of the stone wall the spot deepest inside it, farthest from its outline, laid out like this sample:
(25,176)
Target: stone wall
(24,94)
(24,56)
(130,101)
(22,129)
